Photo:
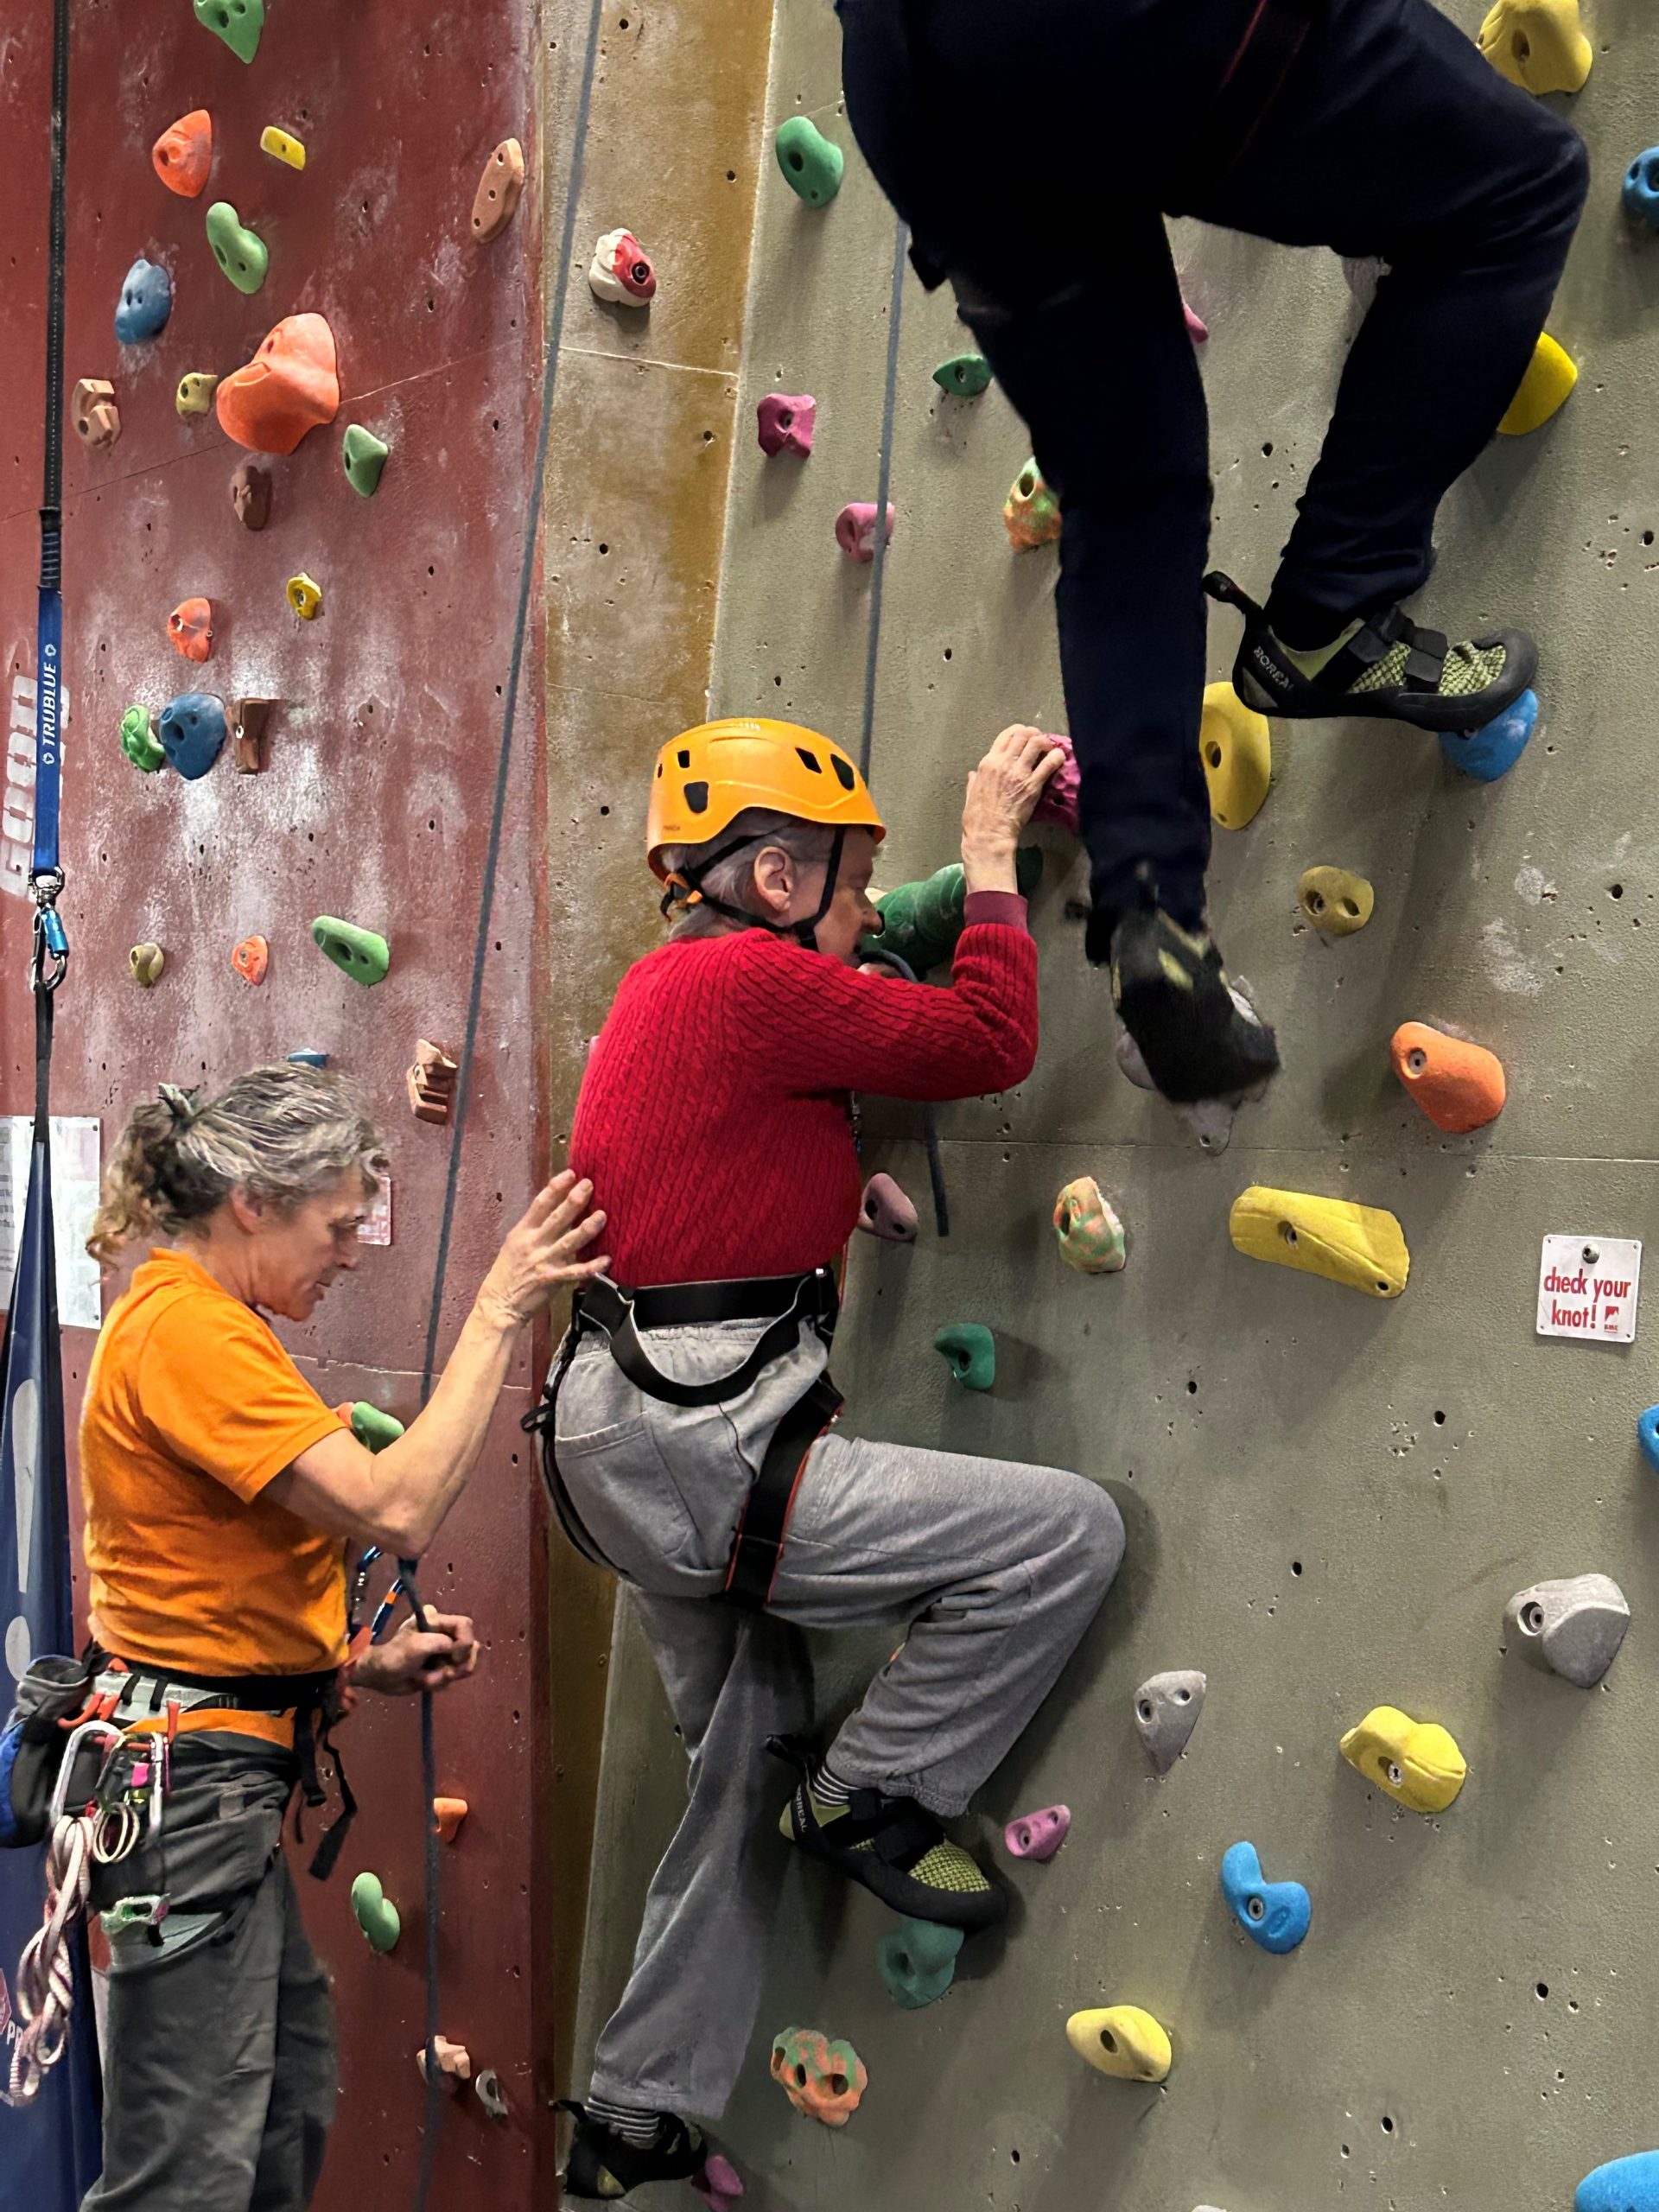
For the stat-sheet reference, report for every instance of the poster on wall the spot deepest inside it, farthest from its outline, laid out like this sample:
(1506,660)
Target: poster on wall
(75,1157)
(1588,1287)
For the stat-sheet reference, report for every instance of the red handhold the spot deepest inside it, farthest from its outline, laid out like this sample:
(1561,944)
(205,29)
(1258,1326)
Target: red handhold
(785,421)
(1458,1085)
(190,626)
(1059,802)
(290,387)
(184,153)
(251,959)
(855,529)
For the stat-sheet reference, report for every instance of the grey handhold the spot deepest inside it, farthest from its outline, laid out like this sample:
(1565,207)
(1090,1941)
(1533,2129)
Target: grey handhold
(1573,1627)
(1166,1709)
(1363,273)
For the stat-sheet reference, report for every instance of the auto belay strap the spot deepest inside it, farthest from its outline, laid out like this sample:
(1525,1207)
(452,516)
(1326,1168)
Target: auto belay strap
(761,1533)
(1275,35)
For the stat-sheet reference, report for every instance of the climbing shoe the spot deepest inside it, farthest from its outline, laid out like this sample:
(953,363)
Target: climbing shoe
(1197,1038)
(604,2163)
(1383,666)
(892,1845)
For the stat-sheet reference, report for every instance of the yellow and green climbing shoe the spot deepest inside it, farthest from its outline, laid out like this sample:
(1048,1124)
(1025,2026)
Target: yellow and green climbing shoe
(893,1846)
(1198,1038)
(605,2163)
(1384,665)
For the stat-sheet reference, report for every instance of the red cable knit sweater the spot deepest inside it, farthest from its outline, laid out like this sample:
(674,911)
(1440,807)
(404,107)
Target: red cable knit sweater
(713,1117)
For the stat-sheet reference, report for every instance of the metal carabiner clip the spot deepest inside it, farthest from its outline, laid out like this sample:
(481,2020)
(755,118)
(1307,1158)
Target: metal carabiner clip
(108,1734)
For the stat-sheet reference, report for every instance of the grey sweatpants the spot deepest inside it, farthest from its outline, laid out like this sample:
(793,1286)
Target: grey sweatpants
(218,2068)
(996,1567)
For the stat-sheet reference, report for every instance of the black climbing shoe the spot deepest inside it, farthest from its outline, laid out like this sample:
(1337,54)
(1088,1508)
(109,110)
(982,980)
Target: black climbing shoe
(1197,1038)
(603,2163)
(893,1846)
(1385,666)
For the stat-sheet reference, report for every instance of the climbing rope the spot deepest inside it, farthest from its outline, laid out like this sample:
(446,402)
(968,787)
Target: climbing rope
(46,1971)
(435,2078)
(883,487)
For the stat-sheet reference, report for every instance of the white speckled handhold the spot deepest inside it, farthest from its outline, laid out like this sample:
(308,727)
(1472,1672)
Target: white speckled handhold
(1364,272)
(1166,1709)
(1573,1627)
(1211,1120)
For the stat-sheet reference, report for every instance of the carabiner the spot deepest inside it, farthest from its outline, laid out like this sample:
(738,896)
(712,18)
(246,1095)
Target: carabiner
(108,1734)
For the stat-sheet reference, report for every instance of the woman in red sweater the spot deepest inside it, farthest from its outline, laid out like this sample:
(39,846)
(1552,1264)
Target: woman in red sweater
(690,1445)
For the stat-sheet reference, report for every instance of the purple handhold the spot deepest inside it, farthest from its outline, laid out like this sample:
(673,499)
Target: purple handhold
(1196,329)
(1059,802)
(1038,1835)
(785,420)
(855,529)
(886,1212)
(718,2184)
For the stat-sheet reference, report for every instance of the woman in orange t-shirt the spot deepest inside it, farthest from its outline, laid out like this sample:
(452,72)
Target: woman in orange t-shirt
(220,1493)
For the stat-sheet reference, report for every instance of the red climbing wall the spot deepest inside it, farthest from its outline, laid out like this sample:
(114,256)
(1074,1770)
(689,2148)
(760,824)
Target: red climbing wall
(374,805)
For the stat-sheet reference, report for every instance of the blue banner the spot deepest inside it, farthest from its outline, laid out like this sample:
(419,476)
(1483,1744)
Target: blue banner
(50,2149)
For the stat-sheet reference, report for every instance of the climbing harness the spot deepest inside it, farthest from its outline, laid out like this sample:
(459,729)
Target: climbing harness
(786,1303)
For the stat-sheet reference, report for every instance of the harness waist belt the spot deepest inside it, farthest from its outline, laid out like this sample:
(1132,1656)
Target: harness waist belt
(621,1314)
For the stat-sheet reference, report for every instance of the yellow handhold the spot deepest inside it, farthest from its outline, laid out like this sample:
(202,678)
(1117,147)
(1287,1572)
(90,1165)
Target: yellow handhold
(1414,1762)
(1362,1246)
(1537,44)
(1335,900)
(1236,751)
(1121,2040)
(1550,377)
(195,394)
(283,146)
(305,596)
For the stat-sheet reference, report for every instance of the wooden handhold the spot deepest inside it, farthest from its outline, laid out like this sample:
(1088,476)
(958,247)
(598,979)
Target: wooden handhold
(432,1082)
(94,413)
(496,201)
(249,721)
(250,495)
(455,2061)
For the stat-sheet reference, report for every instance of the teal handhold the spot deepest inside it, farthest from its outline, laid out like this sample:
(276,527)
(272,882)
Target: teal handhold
(372,1428)
(363,457)
(966,375)
(309,1056)
(922,921)
(375,1913)
(811,163)
(239,252)
(971,1350)
(361,954)
(239,22)
(918,1961)
(139,741)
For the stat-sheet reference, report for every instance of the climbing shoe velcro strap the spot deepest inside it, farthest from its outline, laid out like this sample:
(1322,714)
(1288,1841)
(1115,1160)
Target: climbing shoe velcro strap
(899,1836)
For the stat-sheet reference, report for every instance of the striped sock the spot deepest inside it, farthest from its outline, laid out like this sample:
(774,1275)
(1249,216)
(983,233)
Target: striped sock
(829,1789)
(635,2124)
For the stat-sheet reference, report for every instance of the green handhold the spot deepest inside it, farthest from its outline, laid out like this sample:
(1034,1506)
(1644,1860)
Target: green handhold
(964,374)
(921,922)
(363,457)
(371,1427)
(375,1913)
(364,956)
(971,1350)
(239,22)
(810,162)
(918,1961)
(139,741)
(239,252)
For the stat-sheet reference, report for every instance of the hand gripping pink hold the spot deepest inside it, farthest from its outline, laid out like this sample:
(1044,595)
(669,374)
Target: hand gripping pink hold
(855,529)
(1059,802)
(1038,1835)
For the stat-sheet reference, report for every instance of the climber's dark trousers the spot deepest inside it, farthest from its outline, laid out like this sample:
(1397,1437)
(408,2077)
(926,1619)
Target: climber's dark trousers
(1034,146)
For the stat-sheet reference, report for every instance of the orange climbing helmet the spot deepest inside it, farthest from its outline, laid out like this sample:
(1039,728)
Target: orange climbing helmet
(706,777)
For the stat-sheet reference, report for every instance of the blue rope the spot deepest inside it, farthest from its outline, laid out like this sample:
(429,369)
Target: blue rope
(884,486)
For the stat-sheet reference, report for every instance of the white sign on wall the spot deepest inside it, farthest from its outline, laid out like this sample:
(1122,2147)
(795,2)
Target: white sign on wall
(1588,1285)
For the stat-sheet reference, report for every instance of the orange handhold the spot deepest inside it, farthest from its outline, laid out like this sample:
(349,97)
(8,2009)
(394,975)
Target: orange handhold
(251,959)
(184,153)
(450,1813)
(190,626)
(1458,1085)
(290,387)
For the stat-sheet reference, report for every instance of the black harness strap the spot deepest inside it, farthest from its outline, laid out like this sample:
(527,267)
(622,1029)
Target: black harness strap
(761,1533)
(621,1314)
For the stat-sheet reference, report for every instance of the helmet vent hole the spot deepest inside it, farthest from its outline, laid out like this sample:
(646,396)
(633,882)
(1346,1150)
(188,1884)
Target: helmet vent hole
(808,760)
(696,797)
(846,775)
(683,758)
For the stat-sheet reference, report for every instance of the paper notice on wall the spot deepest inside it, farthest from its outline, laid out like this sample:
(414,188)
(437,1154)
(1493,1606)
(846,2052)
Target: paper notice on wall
(1587,1287)
(75,1201)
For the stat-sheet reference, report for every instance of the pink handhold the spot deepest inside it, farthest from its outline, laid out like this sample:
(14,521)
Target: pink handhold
(718,2183)
(1196,329)
(855,529)
(886,1212)
(1038,1835)
(785,422)
(1059,802)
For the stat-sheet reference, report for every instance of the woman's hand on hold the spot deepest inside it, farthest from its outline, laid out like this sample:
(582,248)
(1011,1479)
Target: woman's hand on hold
(1002,791)
(548,1249)
(420,1659)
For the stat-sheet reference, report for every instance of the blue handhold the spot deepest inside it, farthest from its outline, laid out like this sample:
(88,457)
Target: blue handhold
(1624,2185)
(1647,1436)
(1641,194)
(308,1057)
(145,303)
(1492,751)
(1275,1915)
(193,730)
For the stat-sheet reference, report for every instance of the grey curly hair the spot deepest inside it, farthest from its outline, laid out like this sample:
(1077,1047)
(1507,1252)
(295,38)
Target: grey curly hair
(733,880)
(282,1133)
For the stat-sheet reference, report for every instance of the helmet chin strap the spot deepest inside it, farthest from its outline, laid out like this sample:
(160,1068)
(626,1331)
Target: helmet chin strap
(804,932)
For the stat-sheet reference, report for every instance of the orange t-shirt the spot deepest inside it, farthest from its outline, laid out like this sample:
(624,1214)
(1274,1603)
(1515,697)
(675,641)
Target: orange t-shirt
(191,1407)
